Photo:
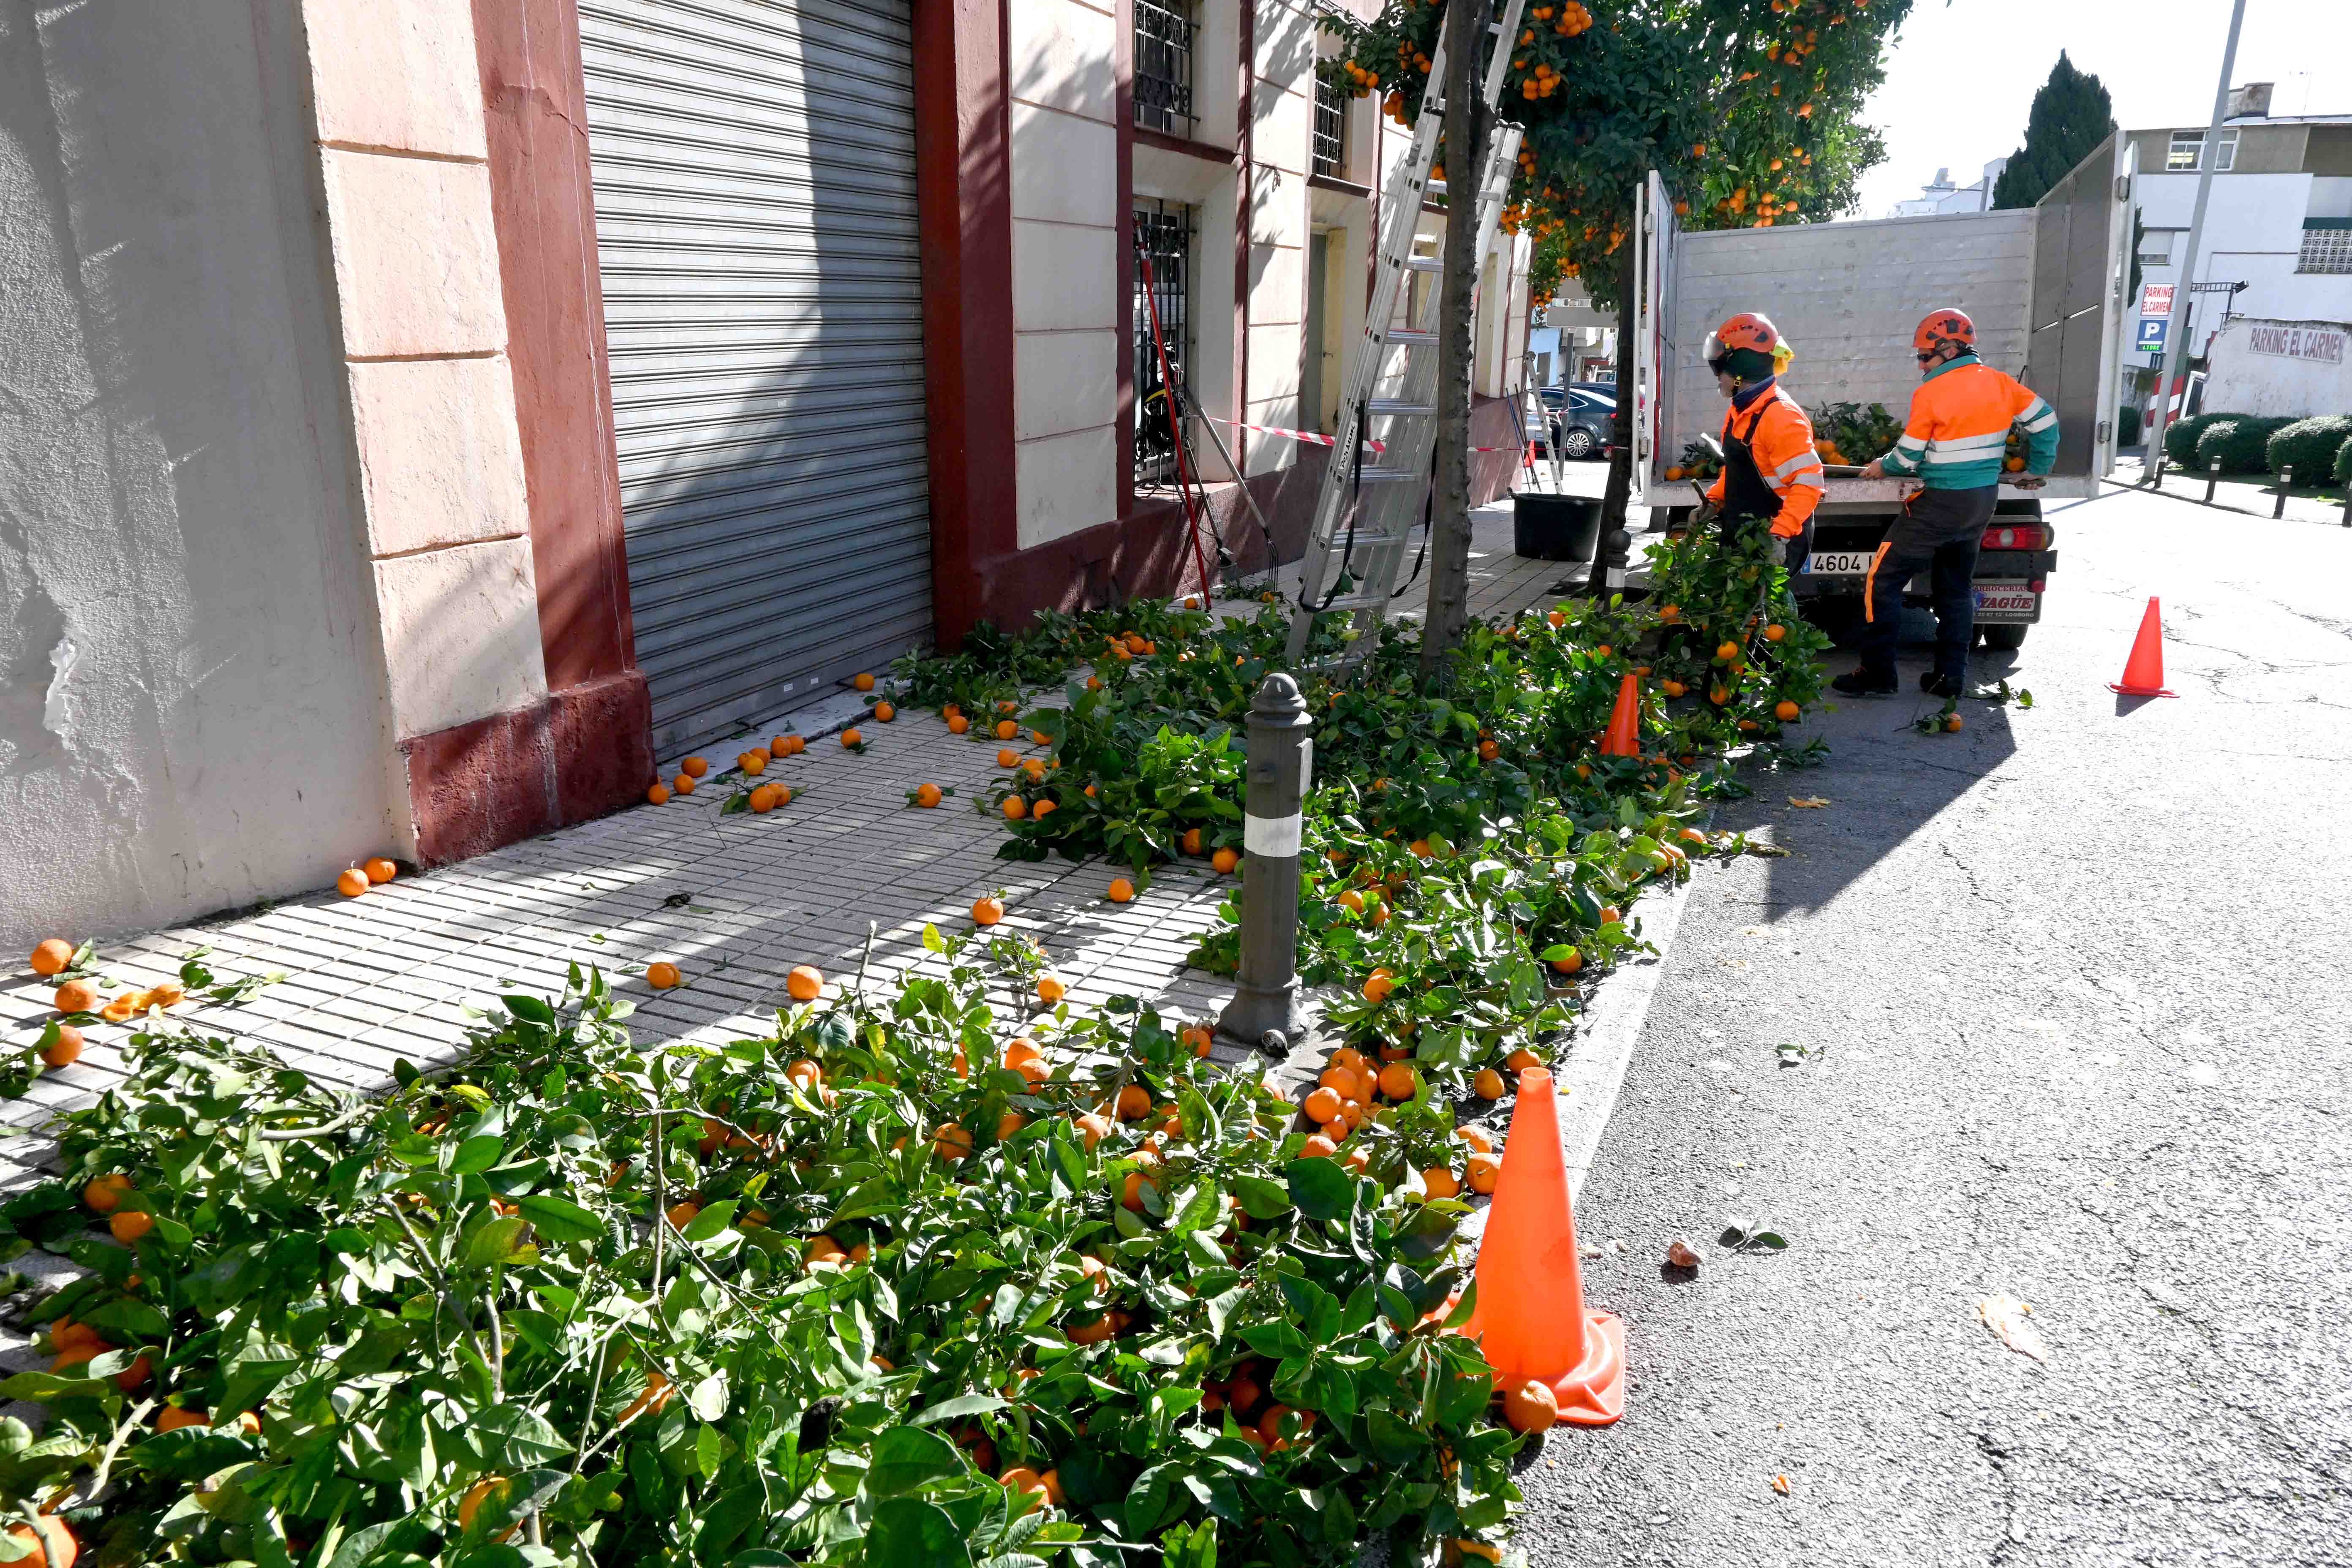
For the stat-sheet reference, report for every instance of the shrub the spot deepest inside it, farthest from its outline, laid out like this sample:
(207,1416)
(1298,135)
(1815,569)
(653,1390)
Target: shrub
(2344,464)
(2127,426)
(2180,437)
(2310,447)
(2241,441)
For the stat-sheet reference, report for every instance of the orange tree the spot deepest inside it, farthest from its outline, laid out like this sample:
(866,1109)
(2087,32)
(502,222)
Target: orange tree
(1748,108)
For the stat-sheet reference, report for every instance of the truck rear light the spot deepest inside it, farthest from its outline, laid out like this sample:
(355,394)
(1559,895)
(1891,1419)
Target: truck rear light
(2036,584)
(2016,536)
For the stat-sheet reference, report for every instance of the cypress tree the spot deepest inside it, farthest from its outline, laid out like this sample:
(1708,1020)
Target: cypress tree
(2071,115)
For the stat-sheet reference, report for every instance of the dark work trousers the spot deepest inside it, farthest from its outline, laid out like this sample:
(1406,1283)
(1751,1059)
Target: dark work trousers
(1939,529)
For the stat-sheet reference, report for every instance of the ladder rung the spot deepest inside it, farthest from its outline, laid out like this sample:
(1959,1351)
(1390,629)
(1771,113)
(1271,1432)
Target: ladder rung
(1434,188)
(1398,406)
(1424,264)
(1358,601)
(1374,476)
(1412,338)
(1367,541)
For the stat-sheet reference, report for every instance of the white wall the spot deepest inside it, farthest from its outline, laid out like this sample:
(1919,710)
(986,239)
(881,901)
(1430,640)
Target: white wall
(2244,382)
(192,707)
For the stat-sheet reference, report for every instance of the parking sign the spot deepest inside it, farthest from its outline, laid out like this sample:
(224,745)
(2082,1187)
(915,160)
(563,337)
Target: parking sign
(2152,329)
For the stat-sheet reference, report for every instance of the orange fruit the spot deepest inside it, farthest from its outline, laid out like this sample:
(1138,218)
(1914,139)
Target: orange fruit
(682,785)
(655,1399)
(661,975)
(803,983)
(1487,1084)
(1130,1192)
(987,910)
(1571,964)
(1672,687)
(659,794)
(1092,1128)
(1134,1102)
(170,1419)
(1045,808)
(1557,619)
(1670,612)
(1522,1059)
(1050,990)
(1951,723)
(1040,738)
(1726,651)
(1420,847)
(927,795)
(352,883)
(693,768)
(822,1251)
(1610,915)
(1377,988)
(1014,808)
(53,1544)
(66,1049)
(1199,1038)
(850,738)
(475,1496)
(958,724)
(1775,633)
(1224,861)
(1484,1169)
(1531,1407)
(752,762)
(762,800)
(77,996)
(1190,843)
(884,713)
(1488,751)
(1478,1138)
(952,1142)
(1786,710)
(1006,759)
(1027,1486)
(129,1224)
(1120,892)
(1317,1147)
(1006,728)
(1441,1182)
(51,957)
(1352,901)
(135,1375)
(1398,1081)
(1052,1482)
(105,1192)
(863,681)
(1323,1105)
(1092,1333)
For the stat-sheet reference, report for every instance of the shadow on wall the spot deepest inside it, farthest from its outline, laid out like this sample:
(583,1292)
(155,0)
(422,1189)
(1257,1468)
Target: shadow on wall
(191,707)
(763,281)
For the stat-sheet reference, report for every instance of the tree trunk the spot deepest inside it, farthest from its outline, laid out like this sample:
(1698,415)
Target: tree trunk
(1466,128)
(1620,427)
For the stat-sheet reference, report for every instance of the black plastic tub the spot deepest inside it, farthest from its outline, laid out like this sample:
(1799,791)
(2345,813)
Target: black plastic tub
(1555,528)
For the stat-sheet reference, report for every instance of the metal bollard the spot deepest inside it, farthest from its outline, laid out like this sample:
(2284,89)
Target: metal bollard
(2212,479)
(1281,767)
(2287,482)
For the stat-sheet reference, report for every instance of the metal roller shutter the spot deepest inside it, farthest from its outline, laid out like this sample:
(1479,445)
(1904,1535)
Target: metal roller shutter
(754,167)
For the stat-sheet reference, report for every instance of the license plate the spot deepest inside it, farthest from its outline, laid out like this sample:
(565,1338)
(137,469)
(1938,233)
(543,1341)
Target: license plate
(2010,603)
(1838,562)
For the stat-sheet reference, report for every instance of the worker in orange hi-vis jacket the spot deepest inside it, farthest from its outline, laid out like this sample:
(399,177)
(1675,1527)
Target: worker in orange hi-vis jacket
(1955,444)
(1771,475)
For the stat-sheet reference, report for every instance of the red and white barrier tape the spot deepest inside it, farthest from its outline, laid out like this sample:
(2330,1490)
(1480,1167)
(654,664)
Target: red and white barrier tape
(1318,439)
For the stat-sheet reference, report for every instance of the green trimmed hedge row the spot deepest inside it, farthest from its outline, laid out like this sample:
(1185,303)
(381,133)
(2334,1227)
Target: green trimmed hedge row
(2314,449)
(2180,437)
(2240,441)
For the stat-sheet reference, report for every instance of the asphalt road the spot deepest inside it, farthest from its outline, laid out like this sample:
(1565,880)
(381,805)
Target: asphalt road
(2075,981)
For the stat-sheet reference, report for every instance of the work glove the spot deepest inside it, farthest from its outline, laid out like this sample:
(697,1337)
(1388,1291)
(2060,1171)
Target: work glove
(1787,527)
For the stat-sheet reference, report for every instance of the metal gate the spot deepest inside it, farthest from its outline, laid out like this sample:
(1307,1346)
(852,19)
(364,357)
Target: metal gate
(754,164)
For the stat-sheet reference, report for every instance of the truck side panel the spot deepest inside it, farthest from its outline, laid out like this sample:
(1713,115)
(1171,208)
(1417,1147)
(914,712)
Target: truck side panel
(2079,279)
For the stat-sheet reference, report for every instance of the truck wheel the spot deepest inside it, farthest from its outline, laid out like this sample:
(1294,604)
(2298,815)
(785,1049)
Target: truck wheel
(2006,639)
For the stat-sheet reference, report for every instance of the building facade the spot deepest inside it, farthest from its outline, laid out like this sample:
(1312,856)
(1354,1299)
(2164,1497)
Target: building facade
(424,417)
(1939,195)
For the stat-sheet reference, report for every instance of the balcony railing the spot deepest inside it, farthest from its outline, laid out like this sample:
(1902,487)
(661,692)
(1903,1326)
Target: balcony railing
(1163,67)
(1330,128)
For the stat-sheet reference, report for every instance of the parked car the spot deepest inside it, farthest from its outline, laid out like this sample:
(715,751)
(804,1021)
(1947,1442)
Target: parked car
(1581,420)
(1607,389)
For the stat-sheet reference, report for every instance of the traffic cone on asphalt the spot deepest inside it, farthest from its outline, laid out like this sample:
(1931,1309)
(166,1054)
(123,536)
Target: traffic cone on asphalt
(1529,1320)
(2144,671)
(1623,738)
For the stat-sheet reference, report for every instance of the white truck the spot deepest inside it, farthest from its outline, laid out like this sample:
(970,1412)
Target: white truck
(2046,288)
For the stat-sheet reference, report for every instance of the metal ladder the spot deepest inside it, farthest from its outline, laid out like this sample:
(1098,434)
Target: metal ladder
(1374,490)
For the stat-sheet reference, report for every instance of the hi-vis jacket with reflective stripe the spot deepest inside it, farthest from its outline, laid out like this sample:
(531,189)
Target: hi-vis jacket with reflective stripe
(1783,446)
(1958,432)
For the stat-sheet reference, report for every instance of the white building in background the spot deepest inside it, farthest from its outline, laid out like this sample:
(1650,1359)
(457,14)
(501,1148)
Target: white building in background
(2278,226)
(1940,197)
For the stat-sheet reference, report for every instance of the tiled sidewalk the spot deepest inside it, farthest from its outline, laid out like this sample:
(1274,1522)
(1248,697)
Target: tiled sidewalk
(735,901)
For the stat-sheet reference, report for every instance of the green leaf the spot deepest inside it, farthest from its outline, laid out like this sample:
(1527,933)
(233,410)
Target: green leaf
(907,1457)
(515,1437)
(477,1154)
(494,1242)
(956,1409)
(1320,1188)
(560,1219)
(713,1220)
(1261,1198)
(530,1009)
(908,1532)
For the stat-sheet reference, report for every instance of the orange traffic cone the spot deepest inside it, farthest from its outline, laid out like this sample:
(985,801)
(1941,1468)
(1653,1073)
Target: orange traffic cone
(2144,671)
(1623,738)
(1530,1321)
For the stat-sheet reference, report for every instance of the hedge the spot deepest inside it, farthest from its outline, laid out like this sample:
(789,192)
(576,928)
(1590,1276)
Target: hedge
(2344,464)
(2240,441)
(2180,437)
(2127,426)
(2311,446)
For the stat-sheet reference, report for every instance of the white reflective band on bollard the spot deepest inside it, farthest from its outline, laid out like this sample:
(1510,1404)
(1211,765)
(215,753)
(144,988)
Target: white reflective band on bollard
(1276,837)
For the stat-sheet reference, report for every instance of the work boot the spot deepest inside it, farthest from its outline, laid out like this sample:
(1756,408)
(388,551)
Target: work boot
(1935,685)
(1861,683)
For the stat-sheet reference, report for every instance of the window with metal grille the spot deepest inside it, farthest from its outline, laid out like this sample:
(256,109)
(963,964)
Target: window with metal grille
(1163,233)
(1164,66)
(1330,128)
(2326,250)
